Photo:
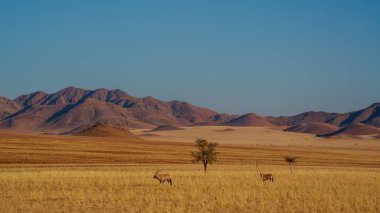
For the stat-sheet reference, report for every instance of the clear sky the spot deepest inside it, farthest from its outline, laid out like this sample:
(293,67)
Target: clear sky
(268,57)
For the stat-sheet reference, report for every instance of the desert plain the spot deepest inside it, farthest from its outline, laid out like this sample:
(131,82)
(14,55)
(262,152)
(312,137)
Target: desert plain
(60,173)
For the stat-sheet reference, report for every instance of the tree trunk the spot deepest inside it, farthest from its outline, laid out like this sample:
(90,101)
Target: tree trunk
(290,166)
(205,166)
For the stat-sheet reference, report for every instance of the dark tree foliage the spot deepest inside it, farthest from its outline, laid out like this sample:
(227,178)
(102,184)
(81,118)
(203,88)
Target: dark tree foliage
(290,160)
(206,152)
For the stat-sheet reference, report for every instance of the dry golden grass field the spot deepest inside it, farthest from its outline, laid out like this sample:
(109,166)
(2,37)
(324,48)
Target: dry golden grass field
(49,173)
(226,188)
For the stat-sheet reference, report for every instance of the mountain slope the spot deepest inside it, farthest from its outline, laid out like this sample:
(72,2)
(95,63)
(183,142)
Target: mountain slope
(353,130)
(72,108)
(306,117)
(8,107)
(30,99)
(313,128)
(75,108)
(89,111)
(369,115)
(249,119)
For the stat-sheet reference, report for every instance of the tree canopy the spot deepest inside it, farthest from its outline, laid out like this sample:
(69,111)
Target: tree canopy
(206,152)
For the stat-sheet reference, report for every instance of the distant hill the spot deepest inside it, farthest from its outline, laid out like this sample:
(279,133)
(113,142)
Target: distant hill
(351,123)
(74,108)
(369,115)
(353,130)
(249,119)
(306,117)
(313,128)
(71,108)
(104,130)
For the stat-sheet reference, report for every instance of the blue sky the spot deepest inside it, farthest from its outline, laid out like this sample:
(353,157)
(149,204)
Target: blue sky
(267,57)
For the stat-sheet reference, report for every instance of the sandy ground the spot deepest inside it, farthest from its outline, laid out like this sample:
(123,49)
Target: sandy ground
(265,136)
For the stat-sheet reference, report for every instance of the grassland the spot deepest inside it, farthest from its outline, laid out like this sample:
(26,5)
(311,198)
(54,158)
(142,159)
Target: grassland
(49,173)
(226,188)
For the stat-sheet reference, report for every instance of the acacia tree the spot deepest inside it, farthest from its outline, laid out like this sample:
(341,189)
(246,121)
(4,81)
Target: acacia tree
(206,152)
(290,160)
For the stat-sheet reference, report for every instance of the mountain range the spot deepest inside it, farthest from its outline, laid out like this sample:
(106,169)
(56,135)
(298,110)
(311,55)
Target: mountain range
(73,108)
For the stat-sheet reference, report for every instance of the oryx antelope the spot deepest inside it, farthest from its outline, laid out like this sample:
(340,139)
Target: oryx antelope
(265,177)
(163,177)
